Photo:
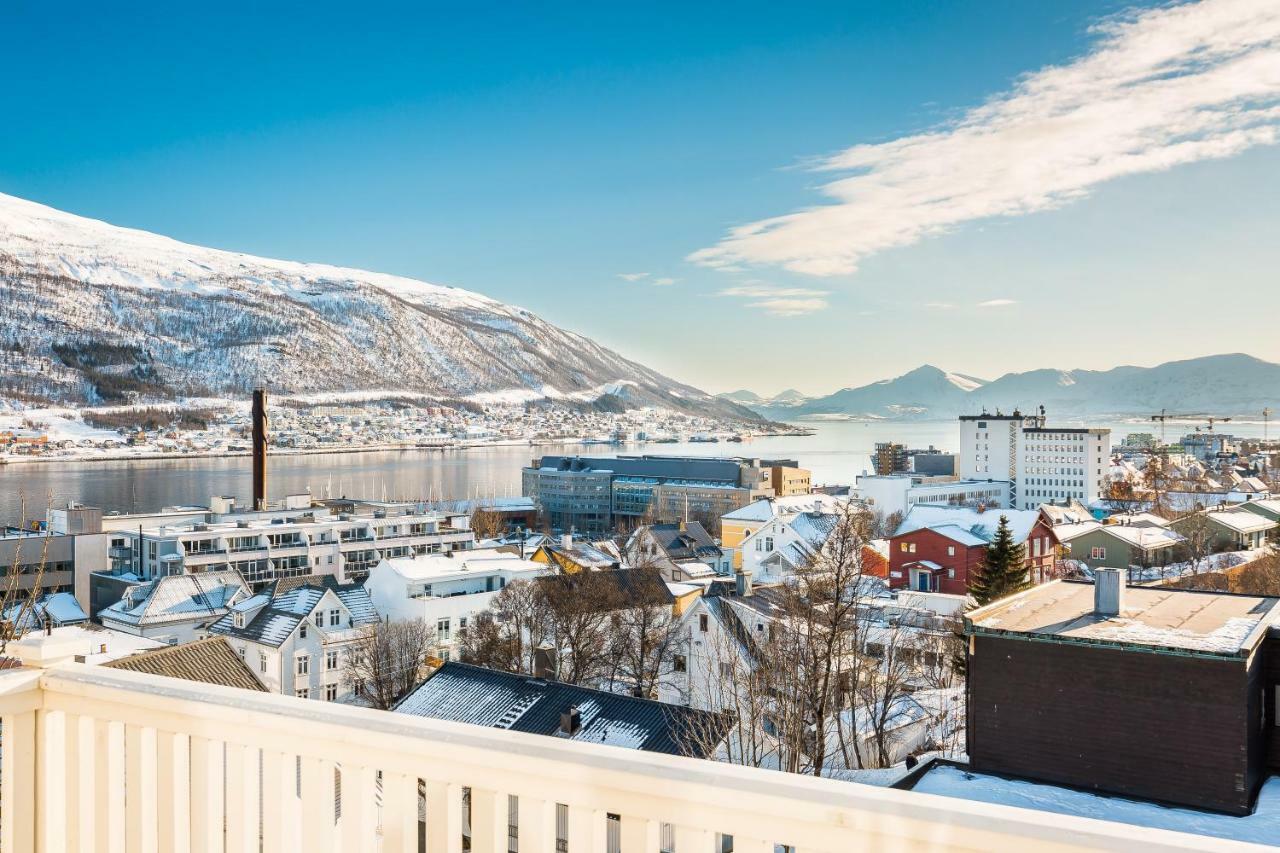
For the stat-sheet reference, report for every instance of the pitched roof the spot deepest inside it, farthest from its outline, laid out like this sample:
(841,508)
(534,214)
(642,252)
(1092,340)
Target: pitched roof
(211,661)
(178,598)
(272,618)
(767,508)
(691,543)
(980,524)
(60,607)
(485,697)
(1241,520)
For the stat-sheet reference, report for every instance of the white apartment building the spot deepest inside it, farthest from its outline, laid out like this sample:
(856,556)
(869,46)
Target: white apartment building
(445,590)
(1043,464)
(898,493)
(295,640)
(284,543)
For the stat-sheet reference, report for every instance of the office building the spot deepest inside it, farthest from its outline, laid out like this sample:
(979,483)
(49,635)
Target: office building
(1043,464)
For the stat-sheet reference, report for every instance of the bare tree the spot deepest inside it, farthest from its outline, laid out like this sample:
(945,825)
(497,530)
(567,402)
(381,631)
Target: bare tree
(505,635)
(487,524)
(579,616)
(23,585)
(388,660)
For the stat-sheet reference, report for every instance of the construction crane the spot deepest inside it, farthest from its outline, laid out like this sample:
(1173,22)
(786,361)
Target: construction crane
(1212,421)
(1165,416)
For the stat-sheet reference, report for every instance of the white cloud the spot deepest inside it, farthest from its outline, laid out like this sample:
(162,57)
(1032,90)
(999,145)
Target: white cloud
(632,276)
(779,301)
(997,303)
(663,282)
(1160,88)
(939,305)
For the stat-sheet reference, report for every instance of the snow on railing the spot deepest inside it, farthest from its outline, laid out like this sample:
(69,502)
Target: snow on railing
(106,759)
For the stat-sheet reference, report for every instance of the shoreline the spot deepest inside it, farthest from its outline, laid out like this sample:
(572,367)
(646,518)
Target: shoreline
(156,456)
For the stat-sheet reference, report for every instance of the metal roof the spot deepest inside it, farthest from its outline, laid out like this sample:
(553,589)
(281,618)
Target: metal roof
(485,697)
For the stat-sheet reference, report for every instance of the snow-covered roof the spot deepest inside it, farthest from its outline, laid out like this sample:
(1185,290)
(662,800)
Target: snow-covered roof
(271,620)
(1158,617)
(1067,532)
(768,508)
(486,697)
(1138,519)
(1242,521)
(431,567)
(178,598)
(959,534)
(59,607)
(1145,538)
(981,524)
(1261,827)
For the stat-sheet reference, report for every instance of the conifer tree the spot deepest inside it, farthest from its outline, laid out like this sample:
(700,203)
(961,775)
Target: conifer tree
(1003,571)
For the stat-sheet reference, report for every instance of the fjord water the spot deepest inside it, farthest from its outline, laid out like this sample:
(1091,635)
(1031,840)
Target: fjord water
(836,453)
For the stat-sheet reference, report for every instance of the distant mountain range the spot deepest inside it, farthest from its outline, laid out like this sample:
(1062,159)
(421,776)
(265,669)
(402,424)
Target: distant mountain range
(93,313)
(1228,385)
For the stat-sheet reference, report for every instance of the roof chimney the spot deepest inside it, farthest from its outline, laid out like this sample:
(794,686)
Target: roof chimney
(570,721)
(259,448)
(544,665)
(1108,592)
(742,582)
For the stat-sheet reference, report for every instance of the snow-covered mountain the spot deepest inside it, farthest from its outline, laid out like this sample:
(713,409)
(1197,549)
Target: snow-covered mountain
(1229,385)
(92,312)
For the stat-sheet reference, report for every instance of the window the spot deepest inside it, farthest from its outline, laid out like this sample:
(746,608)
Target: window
(951,574)
(442,630)
(903,547)
(262,661)
(302,693)
(768,543)
(302,631)
(239,620)
(913,547)
(702,622)
(319,617)
(330,692)
(240,650)
(331,660)
(1098,554)
(335,618)
(303,665)
(680,664)
(951,550)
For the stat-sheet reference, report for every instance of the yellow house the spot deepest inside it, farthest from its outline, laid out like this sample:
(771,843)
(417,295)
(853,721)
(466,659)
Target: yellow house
(738,525)
(571,557)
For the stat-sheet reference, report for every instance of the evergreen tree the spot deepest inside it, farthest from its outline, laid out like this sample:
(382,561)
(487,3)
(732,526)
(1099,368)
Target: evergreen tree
(1003,571)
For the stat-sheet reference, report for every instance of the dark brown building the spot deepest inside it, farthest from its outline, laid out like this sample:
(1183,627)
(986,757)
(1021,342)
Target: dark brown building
(1153,693)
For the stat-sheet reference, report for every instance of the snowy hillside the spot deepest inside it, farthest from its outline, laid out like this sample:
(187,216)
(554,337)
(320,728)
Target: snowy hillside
(93,312)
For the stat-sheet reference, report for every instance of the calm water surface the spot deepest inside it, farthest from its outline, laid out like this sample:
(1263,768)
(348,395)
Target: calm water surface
(837,453)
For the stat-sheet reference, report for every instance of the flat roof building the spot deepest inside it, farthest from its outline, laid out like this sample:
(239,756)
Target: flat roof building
(1149,692)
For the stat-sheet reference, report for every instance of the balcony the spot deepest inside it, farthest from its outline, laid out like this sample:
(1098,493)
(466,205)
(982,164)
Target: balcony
(104,759)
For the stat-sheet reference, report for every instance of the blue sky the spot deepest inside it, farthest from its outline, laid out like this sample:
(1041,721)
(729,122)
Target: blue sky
(538,153)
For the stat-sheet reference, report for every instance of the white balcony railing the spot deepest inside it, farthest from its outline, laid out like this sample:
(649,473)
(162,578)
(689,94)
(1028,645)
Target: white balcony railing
(110,760)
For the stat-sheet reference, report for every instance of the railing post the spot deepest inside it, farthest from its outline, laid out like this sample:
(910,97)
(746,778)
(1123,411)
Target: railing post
(488,820)
(537,824)
(319,814)
(140,793)
(399,813)
(587,829)
(693,839)
(18,781)
(207,810)
(642,835)
(359,813)
(444,817)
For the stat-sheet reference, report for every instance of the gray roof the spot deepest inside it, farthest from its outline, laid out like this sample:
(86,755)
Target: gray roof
(272,617)
(486,697)
(178,598)
(691,543)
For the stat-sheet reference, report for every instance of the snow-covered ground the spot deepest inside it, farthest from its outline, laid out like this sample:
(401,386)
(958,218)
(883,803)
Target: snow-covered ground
(1262,827)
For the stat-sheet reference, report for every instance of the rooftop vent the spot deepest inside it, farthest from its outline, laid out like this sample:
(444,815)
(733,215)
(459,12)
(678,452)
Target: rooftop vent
(570,721)
(243,525)
(1108,592)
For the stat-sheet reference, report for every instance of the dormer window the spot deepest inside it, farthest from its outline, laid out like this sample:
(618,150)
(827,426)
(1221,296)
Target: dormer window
(239,620)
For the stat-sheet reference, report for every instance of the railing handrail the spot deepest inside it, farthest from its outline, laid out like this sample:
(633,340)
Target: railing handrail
(799,809)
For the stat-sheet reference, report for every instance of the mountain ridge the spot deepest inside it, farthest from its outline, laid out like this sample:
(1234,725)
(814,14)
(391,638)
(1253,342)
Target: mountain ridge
(94,312)
(1228,384)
